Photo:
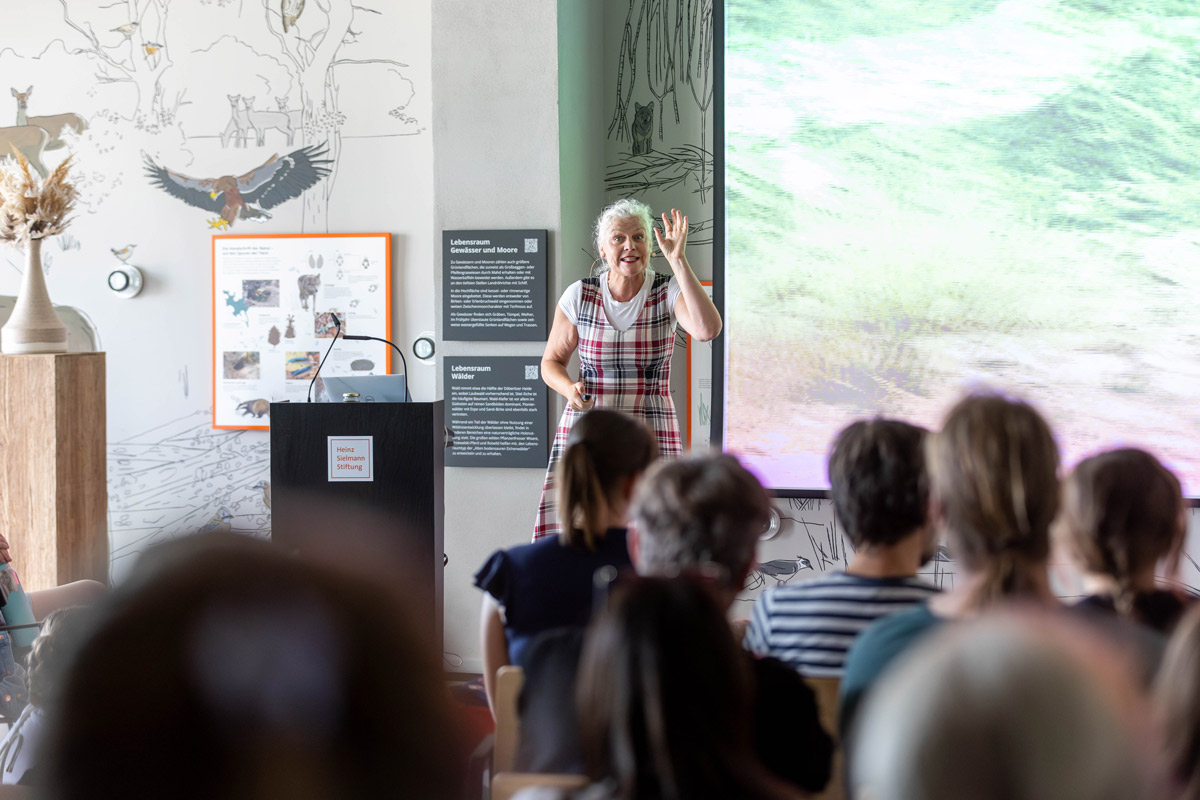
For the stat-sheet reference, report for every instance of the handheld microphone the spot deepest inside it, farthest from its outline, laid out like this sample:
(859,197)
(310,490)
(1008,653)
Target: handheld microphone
(338,325)
(407,393)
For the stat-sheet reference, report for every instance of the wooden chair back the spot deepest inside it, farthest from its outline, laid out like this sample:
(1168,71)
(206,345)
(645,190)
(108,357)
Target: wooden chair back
(509,681)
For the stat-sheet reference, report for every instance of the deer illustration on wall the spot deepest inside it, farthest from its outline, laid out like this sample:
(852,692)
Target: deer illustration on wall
(239,123)
(262,120)
(295,116)
(54,124)
(28,140)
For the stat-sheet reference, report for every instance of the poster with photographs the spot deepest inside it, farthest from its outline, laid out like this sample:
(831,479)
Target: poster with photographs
(277,303)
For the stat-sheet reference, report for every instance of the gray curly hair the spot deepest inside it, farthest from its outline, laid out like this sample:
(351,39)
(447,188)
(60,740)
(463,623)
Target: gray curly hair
(697,510)
(625,208)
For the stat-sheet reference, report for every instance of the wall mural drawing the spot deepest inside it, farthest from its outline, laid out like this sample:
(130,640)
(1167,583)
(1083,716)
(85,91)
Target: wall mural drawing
(286,114)
(672,41)
(275,181)
(181,477)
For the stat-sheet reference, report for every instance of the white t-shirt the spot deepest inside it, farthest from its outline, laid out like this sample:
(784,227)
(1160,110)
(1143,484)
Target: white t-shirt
(620,315)
(22,748)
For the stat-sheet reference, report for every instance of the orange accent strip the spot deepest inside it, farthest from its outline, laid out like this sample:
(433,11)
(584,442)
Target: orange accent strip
(703,283)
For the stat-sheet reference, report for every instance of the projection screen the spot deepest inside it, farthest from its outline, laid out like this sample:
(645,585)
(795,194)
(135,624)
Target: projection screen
(925,197)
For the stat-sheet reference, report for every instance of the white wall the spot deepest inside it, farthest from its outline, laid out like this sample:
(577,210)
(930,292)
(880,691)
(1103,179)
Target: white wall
(496,164)
(168,470)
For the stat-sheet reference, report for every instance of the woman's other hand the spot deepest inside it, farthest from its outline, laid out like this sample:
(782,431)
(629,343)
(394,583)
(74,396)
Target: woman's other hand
(672,239)
(579,399)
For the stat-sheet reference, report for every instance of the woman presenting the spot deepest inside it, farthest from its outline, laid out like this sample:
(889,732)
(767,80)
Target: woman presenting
(622,323)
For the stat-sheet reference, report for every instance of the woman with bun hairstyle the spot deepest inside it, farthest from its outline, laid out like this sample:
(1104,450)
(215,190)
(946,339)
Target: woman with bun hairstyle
(993,471)
(533,588)
(1123,518)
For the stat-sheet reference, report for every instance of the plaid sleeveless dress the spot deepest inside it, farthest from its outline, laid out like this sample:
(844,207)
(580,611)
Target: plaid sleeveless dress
(627,370)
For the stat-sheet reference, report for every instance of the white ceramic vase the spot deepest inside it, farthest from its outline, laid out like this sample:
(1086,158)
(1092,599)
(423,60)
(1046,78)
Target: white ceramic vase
(34,326)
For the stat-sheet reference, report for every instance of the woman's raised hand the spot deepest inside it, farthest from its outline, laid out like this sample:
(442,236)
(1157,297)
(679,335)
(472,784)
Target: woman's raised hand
(672,239)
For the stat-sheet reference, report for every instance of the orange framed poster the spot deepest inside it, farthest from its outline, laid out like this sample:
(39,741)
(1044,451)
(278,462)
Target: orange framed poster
(699,389)
(277,300)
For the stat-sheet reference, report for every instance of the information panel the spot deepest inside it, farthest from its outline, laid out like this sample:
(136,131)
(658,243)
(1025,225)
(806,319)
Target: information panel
(495,287)
(496,412)
(278,300)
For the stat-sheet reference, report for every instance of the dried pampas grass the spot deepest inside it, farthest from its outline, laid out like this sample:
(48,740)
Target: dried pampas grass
(29,210)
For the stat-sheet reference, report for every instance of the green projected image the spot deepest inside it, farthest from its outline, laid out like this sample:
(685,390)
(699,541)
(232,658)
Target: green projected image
(923,198)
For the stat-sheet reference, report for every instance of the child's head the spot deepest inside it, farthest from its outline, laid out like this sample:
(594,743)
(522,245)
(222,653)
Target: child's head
(1122,515)
(878,481)
(606,452)
(49,655)
(993,471)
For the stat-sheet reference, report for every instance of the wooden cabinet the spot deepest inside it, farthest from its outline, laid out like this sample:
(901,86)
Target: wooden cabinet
(53,470)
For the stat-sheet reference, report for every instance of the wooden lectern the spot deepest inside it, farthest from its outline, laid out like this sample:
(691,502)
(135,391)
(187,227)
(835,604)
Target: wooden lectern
(53,468)
(320,514)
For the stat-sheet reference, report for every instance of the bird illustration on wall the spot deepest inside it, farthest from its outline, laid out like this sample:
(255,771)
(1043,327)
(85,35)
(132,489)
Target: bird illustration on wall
(222,521)
(782,570)
(291,11)
(246,196)
(265,486)
(123,253)
(127,30)
(151,48)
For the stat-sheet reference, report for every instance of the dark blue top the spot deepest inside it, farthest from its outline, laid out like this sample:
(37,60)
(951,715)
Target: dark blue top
(547,585)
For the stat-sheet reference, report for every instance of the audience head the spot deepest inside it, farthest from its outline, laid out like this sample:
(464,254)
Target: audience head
(605,454)
(230,669)
(1122,514)
(697,512)
(1005,708)
(994,485)
(48,659)
(1177,696)
(878,481)
(664,695)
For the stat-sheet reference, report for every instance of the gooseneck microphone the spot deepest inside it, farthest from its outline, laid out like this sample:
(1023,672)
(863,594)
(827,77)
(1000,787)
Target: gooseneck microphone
(407,393)
(338,324)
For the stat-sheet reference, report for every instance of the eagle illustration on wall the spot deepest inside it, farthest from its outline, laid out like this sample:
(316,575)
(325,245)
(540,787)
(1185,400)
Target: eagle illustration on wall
(246,196)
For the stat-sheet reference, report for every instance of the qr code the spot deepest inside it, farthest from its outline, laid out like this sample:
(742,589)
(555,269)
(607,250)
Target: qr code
(531,245)
(531,372)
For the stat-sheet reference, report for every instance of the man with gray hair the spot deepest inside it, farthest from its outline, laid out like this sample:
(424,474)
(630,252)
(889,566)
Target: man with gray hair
(700,515)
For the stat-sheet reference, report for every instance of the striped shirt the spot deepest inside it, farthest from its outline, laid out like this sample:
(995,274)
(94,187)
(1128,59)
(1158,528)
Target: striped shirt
(811,625)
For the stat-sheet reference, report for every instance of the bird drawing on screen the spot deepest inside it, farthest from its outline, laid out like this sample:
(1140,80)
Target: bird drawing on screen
(265,486)
(124,253)
(279,179)
(221,521)
(783,570)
